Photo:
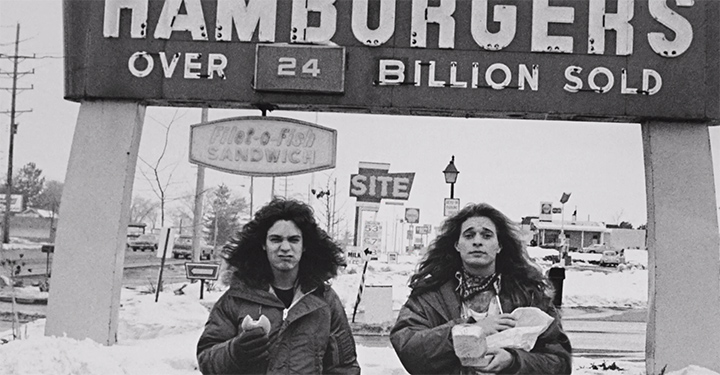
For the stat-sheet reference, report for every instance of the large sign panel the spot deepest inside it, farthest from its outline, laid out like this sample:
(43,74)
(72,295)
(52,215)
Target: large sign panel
(616,60)
(263,146)
(374,183)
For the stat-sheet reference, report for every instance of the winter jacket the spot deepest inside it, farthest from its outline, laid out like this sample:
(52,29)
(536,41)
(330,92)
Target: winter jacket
(422,337)
(312,336)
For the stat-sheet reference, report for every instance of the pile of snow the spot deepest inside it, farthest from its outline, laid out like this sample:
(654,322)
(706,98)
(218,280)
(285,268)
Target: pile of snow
(17,243)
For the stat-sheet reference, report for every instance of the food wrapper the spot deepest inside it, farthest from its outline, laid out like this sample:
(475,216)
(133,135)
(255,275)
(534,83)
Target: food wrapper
(531,322)
(469,344)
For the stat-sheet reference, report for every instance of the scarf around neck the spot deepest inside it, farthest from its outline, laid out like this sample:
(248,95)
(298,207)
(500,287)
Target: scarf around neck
(472,285)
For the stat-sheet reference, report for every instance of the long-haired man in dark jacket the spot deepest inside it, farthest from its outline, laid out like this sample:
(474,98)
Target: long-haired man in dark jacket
(477,271)
(281,263)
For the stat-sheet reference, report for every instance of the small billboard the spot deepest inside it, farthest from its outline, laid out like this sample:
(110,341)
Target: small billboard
(16,202)
(546,210)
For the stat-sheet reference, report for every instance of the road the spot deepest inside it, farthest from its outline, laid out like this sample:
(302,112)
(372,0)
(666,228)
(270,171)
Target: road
(607,340)
(34,263)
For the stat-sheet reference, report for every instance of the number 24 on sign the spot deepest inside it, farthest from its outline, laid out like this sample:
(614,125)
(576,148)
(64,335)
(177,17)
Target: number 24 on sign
(287,67)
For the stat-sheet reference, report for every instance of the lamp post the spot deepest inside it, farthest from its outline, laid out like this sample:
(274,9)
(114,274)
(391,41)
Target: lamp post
(451,175)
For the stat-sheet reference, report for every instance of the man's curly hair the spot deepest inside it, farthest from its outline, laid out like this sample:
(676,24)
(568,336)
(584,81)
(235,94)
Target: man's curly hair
(245,251)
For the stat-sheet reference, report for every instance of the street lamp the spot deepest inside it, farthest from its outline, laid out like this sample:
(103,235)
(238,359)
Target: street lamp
(451,175)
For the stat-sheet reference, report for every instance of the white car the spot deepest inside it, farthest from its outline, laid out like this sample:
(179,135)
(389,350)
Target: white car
(595,248)
(612,258)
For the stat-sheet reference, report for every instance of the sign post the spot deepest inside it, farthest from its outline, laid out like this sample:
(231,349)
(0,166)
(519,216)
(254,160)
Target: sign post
(167,239)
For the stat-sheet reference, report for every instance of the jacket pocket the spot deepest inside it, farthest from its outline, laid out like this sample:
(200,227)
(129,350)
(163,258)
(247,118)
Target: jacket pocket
(340,350)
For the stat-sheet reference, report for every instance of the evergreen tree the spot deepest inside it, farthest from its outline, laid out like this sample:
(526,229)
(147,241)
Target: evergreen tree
(49,198)
(223,218)
(27,181)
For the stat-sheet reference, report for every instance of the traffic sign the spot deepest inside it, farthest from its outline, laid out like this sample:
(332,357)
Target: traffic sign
(202,271)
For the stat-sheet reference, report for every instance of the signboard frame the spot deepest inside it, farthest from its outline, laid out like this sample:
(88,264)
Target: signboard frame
(214,275)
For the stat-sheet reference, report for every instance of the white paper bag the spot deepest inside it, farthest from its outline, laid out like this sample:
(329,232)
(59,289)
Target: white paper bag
(531,322)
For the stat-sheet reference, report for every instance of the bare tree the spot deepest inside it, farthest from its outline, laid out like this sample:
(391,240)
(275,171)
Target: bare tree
(158,184)
(617,216)
(183,211)
(330,216)
(142,210)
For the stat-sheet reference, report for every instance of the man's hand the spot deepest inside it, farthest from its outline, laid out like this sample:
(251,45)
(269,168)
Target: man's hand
(501,359)
(496,323)
(251,346)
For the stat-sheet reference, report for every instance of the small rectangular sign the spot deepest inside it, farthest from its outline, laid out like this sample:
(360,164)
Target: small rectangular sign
(299,68)
(451,207)
(202,271)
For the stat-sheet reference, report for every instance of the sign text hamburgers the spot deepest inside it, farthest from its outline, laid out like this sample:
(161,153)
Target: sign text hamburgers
(613,60)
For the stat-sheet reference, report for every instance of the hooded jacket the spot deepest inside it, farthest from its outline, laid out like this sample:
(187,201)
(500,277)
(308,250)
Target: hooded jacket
(422,337)
(312,336)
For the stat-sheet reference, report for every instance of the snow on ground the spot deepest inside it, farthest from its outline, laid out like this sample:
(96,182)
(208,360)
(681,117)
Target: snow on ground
(622,288)
(160,338)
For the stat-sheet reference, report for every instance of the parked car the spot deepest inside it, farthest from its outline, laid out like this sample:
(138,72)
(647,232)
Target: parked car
(182,248)
(595,248)
(143,242)
(612,258)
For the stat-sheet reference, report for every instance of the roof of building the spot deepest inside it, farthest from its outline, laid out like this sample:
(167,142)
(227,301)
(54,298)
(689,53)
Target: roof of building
(576,226)
(37,212)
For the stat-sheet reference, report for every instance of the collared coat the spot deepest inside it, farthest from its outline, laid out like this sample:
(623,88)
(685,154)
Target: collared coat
(312,336)
(422,337)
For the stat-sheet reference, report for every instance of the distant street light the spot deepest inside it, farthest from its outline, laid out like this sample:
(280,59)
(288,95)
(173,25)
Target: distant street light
(451,175)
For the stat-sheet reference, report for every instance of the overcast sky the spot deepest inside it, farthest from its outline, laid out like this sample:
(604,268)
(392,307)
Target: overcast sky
(513,165)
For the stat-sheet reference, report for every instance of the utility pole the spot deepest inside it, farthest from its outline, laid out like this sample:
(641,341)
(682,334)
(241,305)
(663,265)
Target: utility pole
(13,129)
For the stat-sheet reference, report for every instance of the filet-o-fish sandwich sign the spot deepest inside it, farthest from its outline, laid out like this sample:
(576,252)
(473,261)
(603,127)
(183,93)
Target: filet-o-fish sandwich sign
(263,146)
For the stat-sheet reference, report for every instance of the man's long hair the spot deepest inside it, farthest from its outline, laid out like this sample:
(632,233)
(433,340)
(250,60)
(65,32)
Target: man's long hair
(520,277)
(245,251)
